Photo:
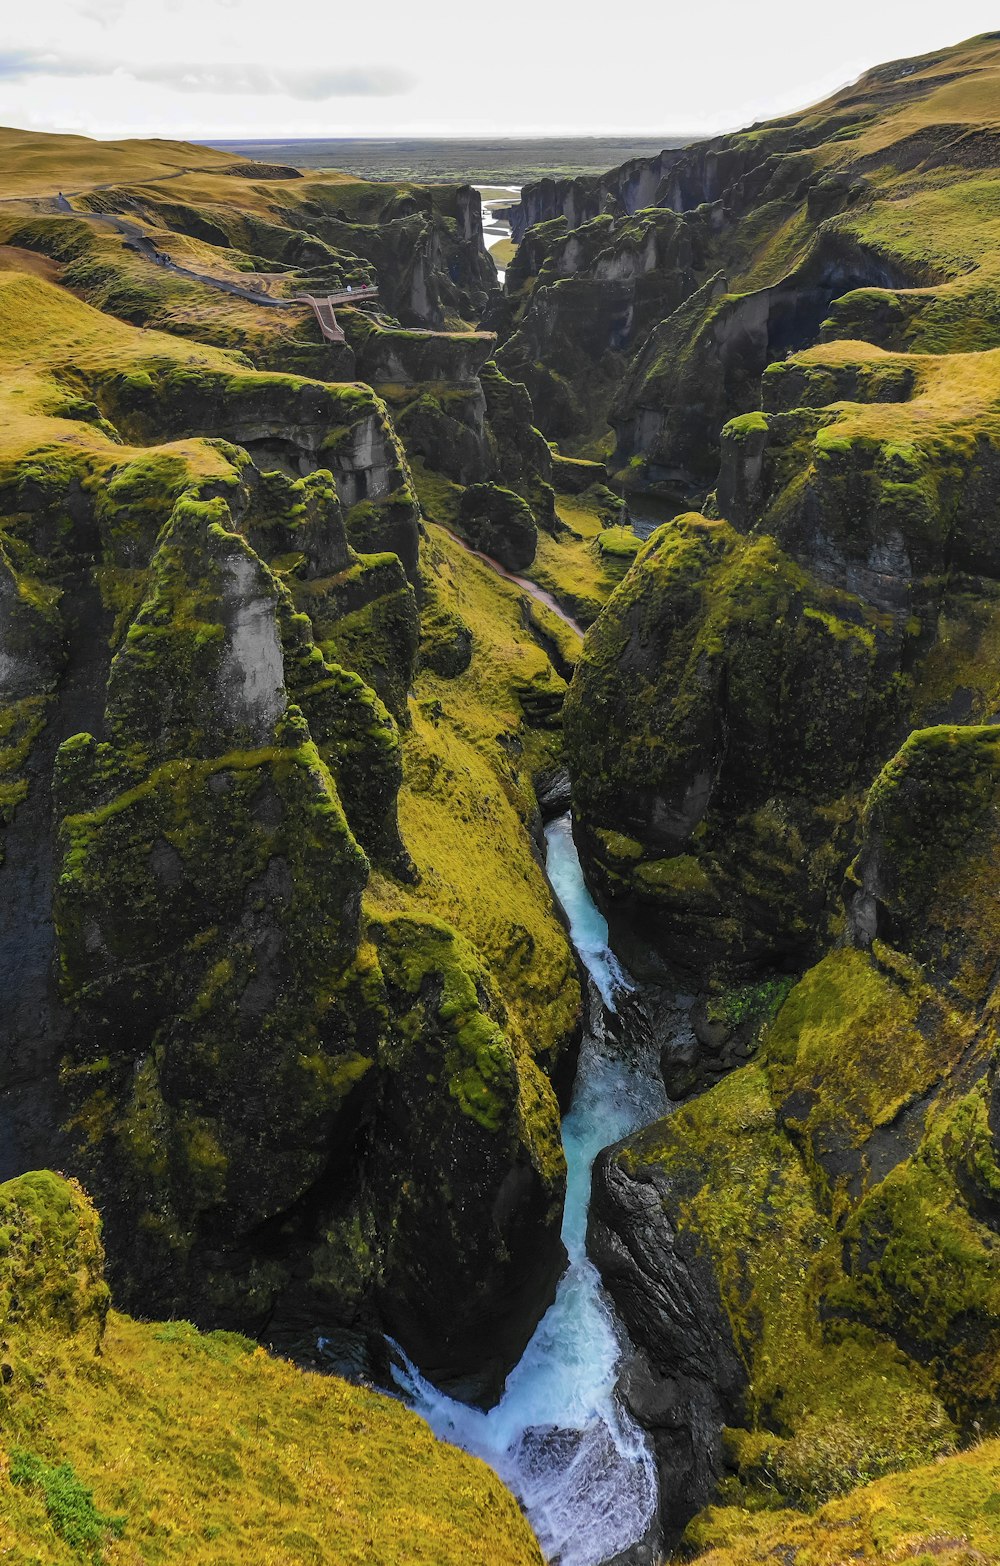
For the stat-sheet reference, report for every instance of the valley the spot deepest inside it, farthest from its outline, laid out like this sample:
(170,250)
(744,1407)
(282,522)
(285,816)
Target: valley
(499,817)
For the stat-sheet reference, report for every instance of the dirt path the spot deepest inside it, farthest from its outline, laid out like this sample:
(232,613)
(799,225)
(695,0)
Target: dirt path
(524,583)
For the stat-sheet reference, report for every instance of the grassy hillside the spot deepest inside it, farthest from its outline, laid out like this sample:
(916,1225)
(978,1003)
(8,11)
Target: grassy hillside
(945,1514)
(42,165)
(126,1441)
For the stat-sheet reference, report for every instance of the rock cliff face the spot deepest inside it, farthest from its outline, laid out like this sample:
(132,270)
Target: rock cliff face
(633,185)
(783,747)
(791,225)
(837,1195)
(227,1009)
(252,995)
(586,299)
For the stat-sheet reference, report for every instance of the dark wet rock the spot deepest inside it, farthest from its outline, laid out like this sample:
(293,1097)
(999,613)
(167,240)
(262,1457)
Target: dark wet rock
(685,1380)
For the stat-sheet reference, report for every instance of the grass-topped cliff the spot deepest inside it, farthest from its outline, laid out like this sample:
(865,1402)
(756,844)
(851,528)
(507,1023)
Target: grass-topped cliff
(265,741)
(825,390)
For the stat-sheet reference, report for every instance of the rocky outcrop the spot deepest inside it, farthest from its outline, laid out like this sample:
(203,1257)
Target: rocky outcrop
(478,432)
(589,298)
(500,524)
(632,185)
(407,357)
(718,788)
(222,1017)
(284,1104)
(855,1162)
(707,765)
(704,364)
(684,1381)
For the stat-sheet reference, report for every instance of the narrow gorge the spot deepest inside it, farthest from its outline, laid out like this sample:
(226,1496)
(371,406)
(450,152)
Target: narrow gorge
(500,850)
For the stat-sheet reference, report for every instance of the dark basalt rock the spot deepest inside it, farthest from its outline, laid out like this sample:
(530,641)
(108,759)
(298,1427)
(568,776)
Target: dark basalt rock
(685,1379)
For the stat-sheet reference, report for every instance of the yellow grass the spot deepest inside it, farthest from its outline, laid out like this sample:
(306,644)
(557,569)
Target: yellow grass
(212,1452)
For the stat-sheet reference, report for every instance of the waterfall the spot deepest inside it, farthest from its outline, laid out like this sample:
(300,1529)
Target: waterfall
(559,1437)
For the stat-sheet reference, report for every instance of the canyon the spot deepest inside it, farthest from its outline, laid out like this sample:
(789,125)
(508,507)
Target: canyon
(499,813)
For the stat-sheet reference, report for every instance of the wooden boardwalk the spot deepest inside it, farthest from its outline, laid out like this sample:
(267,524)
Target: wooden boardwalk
(323,309)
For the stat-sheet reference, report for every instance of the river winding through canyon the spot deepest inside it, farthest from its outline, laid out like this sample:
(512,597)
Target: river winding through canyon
(558,1437)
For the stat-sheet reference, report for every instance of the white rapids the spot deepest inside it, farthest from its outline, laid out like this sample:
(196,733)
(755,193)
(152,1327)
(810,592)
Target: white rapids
(559,1437)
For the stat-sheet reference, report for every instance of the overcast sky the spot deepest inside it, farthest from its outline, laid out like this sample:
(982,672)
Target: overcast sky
(243,68)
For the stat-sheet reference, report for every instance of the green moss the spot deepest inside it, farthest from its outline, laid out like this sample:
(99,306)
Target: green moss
(620,846)
(69,1504)
(51,1258)
(923,1266)
(941,1512)
(829,1407)
(478,1061)
(682,875)
(727,692)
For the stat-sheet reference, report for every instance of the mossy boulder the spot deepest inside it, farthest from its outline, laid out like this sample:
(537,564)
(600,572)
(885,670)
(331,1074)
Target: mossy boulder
(499,523)
(51,1259)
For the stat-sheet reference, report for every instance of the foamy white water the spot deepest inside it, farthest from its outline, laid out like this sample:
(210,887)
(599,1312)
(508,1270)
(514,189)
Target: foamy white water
(559,1437)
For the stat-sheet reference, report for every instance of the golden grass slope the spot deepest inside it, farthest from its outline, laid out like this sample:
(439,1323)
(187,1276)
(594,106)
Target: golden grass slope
(153,1442)
(33,163)
(946,1513)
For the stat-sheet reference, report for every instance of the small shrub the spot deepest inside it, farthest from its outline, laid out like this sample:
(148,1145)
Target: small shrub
(69,1503)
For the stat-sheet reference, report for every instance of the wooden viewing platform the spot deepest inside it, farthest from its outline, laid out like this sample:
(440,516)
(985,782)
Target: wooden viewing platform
(323,309)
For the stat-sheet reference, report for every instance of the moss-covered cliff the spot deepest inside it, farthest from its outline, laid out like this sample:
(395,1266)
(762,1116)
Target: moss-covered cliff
(834,1203)
(254,997)
(781,735)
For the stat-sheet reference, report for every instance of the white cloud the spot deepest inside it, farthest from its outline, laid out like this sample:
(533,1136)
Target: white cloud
(217,68)
(223,78)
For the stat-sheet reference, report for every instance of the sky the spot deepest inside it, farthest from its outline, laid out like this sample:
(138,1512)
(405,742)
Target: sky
(214,69)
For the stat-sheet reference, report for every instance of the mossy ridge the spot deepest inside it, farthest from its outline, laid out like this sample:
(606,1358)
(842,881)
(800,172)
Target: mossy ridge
(877,466)
(828,1406)
(944,1511)
(467,799)
(726,711)
(186,981)
(101,1448)
(188,777)
(870,216)
(893,465)
(925,879)
(856,1160)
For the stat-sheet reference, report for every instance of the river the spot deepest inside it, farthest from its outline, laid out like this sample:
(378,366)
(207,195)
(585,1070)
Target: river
(495,228)
(558,1437)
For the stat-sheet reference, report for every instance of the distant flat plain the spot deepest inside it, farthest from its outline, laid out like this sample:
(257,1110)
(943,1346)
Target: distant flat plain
(483,161)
